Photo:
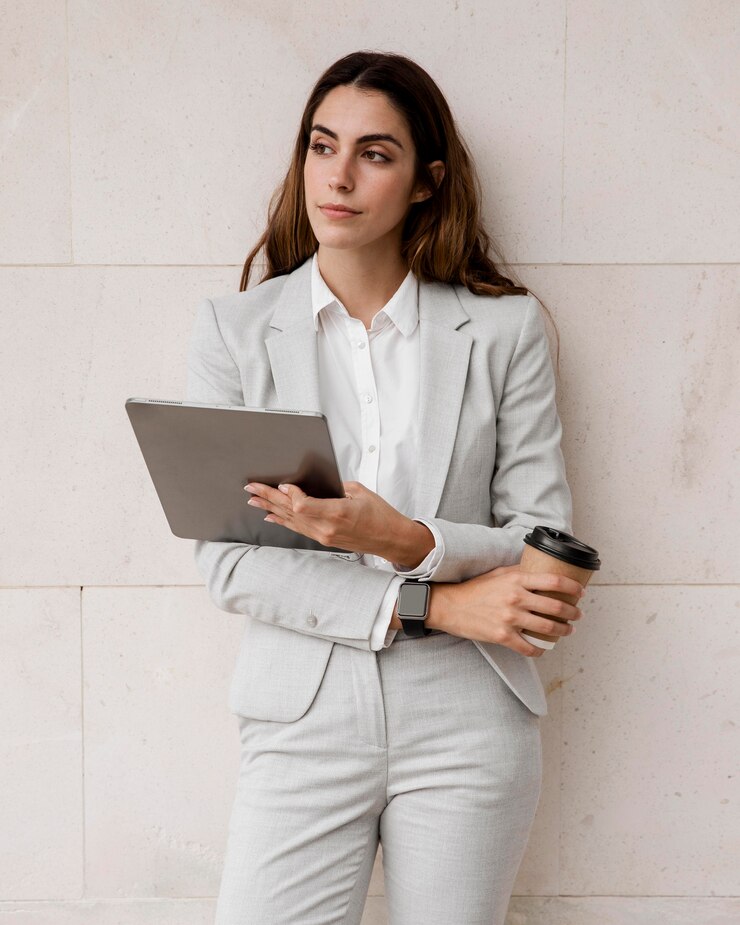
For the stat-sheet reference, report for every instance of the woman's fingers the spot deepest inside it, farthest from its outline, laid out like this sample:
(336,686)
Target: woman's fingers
(547,582)
(550,616)
(267,497)
(549,627)
(551,606)
(291,508)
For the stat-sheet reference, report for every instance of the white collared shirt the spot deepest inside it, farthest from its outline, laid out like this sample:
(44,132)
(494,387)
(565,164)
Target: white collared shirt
(369,389)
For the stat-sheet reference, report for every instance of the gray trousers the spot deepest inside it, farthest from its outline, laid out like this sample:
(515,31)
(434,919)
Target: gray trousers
(421,746)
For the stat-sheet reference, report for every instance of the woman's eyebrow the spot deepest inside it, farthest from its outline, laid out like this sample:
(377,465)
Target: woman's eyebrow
(377,136)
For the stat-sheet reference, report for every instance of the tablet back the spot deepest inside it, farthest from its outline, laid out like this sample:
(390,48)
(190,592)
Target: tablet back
(200,457)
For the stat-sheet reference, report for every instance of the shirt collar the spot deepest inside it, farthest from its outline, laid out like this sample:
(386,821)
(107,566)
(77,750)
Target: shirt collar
(402,308)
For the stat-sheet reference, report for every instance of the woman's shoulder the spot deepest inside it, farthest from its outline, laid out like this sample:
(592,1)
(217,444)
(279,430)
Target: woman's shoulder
(499,315)
(258,303)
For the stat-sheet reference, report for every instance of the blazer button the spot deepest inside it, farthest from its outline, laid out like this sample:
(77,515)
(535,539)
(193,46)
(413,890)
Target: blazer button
(311,620)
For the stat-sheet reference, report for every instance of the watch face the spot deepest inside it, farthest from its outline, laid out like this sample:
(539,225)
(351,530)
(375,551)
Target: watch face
(413,600)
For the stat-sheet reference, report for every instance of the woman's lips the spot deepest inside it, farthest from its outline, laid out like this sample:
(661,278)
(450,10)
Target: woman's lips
(338,213)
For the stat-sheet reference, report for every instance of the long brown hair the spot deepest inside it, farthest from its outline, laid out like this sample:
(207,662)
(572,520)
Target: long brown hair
(443,237)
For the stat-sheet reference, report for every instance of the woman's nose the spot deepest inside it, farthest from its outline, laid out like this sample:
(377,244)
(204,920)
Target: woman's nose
(341,174)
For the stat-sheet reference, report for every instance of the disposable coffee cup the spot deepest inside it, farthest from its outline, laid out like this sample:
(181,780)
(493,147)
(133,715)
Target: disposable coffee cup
(551,550)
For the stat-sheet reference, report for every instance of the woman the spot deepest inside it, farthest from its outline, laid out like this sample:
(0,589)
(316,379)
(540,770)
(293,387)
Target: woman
(434,373)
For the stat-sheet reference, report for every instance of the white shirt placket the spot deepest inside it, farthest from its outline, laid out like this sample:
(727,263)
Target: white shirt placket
(369,411)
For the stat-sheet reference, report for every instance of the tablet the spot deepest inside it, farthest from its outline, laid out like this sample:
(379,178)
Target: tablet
(200,456)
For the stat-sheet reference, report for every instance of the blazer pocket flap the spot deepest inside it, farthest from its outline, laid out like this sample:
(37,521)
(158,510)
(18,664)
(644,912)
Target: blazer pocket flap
(277,673)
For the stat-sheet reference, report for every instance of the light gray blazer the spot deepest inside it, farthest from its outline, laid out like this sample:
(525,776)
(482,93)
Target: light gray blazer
(490,468)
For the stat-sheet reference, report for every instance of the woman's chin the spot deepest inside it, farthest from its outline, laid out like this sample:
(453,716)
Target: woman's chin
(338,241)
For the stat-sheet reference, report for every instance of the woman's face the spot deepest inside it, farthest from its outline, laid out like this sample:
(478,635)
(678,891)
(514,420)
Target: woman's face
(373,177)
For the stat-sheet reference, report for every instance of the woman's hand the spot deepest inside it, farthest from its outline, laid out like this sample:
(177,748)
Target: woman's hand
(494,606)
(361,522)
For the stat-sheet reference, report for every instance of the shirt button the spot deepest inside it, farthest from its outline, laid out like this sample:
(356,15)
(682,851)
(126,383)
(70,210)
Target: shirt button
(311,620)
(361,345)
(371,449)
(368,398)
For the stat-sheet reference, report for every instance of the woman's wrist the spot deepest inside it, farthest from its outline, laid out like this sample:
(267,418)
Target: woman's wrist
(441,605)
(411,544)
(440,610)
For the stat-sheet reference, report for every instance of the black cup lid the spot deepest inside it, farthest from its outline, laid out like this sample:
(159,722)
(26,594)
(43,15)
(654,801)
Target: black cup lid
(563,546)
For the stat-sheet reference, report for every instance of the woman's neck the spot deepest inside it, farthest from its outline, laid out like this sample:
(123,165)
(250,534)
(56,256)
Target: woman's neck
(363,286)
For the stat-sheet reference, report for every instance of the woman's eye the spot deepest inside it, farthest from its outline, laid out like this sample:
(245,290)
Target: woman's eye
(314,146)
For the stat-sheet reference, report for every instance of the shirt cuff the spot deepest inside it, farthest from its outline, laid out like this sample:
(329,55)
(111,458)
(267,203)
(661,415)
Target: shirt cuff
(381,636)
(428,565)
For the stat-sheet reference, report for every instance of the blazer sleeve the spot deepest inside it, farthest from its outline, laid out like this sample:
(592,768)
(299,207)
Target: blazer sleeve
(293,588)
(529,485)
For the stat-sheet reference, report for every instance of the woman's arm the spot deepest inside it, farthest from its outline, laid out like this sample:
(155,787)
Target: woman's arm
(411,545)
(362,521)
(529,485)
(296,589)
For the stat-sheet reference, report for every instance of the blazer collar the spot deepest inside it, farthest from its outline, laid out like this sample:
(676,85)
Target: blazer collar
(444,355)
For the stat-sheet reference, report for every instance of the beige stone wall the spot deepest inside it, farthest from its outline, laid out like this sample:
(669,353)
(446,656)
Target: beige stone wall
(139,143)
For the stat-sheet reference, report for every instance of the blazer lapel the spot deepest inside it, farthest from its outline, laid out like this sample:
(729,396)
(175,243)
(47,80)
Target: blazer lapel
(444,355)
(293,349)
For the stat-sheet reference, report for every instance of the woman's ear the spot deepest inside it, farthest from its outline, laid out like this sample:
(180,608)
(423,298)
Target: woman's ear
(438,171)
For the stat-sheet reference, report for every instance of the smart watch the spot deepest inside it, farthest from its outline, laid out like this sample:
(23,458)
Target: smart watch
(413,607)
